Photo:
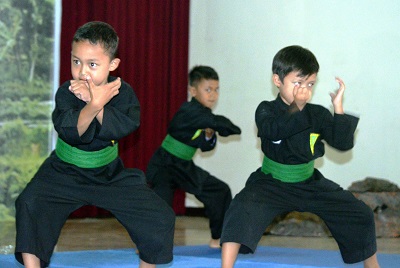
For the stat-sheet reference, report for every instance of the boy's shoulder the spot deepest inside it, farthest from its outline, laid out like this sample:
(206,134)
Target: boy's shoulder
(124,85)
(195,104)
(113,78)
(270,104)
(193,107)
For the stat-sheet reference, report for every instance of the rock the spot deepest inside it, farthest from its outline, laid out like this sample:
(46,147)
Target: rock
(386,207)
(298,224)
(370,184)
(382,196)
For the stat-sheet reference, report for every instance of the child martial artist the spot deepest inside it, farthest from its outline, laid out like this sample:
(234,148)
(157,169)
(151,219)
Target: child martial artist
(194,126)
(92,112)
(292,132)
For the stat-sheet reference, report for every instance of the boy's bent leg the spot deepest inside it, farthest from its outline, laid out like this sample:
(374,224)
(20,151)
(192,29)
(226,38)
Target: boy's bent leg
(215,243)
(163,186)
(40,215)
(371,262)
(148,219)
(30,260)
(350,221)
(216,197)
(230,250)
(250,213)
(144,264)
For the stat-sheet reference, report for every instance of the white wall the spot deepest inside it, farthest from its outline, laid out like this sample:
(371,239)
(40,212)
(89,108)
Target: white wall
(358,41)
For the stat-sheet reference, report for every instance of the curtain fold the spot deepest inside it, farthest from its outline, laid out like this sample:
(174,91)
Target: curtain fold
(154,37)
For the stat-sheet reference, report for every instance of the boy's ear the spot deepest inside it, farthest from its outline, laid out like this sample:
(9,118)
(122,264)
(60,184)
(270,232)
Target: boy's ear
(114,64)
(192,91)
(276,80)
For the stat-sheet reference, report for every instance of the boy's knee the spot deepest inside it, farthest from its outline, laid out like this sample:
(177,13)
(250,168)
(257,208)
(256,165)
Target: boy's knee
(367,212)
(22,200)
(226,189)
(28,202)
(169,219)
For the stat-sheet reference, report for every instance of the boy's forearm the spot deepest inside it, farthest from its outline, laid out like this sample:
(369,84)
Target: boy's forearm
(86,117)
(338,109)
(99,116)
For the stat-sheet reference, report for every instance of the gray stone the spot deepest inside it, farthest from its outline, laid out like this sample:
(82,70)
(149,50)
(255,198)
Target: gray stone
(298,224)
(382,196)
(371,184)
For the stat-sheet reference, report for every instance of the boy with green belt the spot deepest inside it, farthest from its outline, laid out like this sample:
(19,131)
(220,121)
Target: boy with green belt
(292,132)
(194,126)
(92,112)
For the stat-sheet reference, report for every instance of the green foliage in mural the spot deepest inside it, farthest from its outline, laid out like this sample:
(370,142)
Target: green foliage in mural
(26,65)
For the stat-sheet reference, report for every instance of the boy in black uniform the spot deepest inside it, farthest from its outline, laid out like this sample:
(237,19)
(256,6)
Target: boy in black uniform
(291,132)
(93,111)
(194,126)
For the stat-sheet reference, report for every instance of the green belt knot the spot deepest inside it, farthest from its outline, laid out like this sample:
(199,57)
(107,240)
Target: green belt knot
(85,159)
(287,173)
(178,148)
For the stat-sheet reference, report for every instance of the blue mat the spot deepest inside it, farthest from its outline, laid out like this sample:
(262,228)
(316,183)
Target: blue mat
(205,257)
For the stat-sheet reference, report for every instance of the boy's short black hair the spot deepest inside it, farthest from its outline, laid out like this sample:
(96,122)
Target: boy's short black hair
(199,73)
(98,32)
(294,58)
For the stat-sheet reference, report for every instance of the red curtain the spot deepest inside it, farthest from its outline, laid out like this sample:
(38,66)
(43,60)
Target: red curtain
(154,37)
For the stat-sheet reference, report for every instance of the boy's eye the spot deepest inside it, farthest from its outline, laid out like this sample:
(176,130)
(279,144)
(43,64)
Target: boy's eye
(299,84)
(76,62)
(92,64)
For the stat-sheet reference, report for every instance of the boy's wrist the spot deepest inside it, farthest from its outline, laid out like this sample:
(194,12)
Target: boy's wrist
(338,109)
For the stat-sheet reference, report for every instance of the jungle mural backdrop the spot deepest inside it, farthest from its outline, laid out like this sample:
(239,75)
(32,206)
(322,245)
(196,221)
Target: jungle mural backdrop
(26,95)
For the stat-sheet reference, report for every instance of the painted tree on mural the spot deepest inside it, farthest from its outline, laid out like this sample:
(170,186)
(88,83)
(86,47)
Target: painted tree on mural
(26,64)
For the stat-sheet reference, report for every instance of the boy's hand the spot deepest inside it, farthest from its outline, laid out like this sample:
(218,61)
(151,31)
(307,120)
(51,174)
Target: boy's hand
(101,95)
(301,96)
(209,132)
(337,97)
(80,89)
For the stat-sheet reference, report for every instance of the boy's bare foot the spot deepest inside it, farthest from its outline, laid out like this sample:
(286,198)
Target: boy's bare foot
(214,243)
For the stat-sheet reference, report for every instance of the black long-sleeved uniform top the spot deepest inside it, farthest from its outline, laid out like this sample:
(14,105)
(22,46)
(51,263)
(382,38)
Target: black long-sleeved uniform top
(193,116)
(187,126)
(289,136)
(121,117)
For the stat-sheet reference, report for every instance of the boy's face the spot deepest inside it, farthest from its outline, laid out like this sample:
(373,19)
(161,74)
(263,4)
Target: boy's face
(92,60)
(292,80)
(206,92)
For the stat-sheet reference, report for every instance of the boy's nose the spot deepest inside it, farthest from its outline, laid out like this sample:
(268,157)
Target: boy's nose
(83,72)
(82,76)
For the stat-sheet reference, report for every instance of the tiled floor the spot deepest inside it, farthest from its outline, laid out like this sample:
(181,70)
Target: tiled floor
(108,233)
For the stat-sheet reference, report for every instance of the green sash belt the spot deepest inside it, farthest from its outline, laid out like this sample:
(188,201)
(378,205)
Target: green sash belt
(85,159)
(178,148)
(287,173)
